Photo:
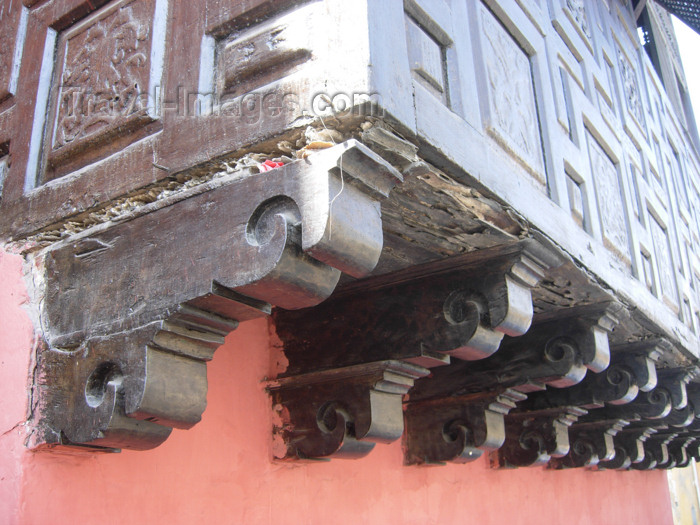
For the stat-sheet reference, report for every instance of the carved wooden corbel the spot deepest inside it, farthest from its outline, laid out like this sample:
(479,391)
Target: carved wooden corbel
(555,353)
(134,310)
(628,373)
(655,404)
(645,412)
(678,417)
(416,317)
(456,429)
(478,315)
(675,381)
(655,452)
(341,412)
(591,443)
(679,423)
(458,307)
(533,438)
(678,452)
(629,448)
(551,353)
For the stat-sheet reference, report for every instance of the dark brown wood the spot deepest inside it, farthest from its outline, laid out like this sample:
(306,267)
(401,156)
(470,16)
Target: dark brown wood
(127,342)
(458,429)
(175,139)
(343,412)
(534,438)
(629,448)
(555,353)
(591,443)
(153,234)
(655,453)
(628,373)
(456,309)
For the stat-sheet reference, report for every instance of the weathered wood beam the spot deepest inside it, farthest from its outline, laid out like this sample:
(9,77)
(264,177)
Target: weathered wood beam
(134,310)
(555,353)
(550,353)
(460,308)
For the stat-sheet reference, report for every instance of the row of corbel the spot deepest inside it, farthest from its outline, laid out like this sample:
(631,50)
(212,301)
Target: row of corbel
(442,354)
(447,358)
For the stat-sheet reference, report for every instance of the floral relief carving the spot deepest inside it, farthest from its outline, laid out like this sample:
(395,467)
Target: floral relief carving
(578,11)
(610,202)
(513,115)
(105,74)
(630,87)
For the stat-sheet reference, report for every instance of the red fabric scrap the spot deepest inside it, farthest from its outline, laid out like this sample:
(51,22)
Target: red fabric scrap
(269,165)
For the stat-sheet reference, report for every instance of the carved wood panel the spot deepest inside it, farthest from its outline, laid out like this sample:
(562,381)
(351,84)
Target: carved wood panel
(512,114)
(610,199)
(107,80)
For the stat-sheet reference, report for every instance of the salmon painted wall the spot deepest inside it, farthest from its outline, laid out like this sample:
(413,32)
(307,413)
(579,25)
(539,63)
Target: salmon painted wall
(220,471)
(15,349)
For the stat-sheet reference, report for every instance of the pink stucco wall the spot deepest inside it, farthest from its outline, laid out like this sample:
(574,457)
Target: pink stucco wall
(220,471)
(15,350)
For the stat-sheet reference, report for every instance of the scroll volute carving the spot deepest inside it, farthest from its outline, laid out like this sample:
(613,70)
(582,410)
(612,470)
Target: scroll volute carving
(477,317)
(556,353)
(134,310)
(412,317)
(675,381)
(551,353)
(629,448)
(534,438)
(679,456)
(343,412)
(655,453)
(648,406)
(628,373)
(457,430)
(461,307)
(591,443)
(663,412)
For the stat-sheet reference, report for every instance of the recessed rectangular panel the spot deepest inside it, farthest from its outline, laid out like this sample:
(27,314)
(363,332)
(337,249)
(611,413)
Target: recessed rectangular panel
(425,57)
(576,11)
(630,88)
(610,200)
(251,60)
(512,112)
(107,78)
(648,271)
(662,248)
(575,192)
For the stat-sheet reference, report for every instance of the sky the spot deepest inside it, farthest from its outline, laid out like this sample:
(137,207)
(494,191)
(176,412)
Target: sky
(689,45)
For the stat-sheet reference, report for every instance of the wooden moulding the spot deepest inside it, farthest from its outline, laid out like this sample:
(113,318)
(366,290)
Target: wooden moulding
(134,310)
